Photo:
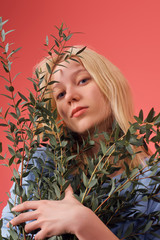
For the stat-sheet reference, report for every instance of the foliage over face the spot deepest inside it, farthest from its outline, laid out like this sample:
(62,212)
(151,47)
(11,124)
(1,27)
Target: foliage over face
(30,122)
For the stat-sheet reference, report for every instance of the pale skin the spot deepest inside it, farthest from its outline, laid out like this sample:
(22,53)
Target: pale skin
(82,106)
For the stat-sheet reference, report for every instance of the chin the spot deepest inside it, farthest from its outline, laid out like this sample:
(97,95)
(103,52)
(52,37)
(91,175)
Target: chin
(84,131)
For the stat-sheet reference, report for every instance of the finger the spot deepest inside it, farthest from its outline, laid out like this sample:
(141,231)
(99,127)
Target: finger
(68,191)
(24,217)
(41,235)
(26,206)
(31,226)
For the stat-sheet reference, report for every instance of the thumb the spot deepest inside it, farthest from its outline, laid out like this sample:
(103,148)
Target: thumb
(69,191)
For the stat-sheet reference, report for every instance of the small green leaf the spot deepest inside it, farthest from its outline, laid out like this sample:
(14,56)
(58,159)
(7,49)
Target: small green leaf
(138,119)
(2,23)
(17,50)
(11,160)
(56,42)
(3,125)
(117,131)
(15,173)
(127,169)
(85,180)
(157,121)
(11,150)
(23,97)
(10,138)
(129,149)
(56,52)
(81,50)
(148,226)
(54,37)
(13,115)
(127,185)
(71,157)
(13,234)
(128,135)
(47,41)
(9,66)
(57,190)
(6,47)
(113,187)
(15,76)
(7,96)
(141,114)
(2,158)
(18,102)
(103,147)
(129,231)
(106,136)
(65,185)
(5,68)
(49,68)
(4,78)
(9,31)
(6,113)
(3,35)
(92,183)
(150,115)
(64,143)
(68,37)
(32,98)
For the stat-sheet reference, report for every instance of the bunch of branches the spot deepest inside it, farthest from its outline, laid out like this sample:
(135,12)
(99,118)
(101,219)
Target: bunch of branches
(32,126)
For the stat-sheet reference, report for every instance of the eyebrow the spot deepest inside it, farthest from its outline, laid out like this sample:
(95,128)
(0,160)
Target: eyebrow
(75,73)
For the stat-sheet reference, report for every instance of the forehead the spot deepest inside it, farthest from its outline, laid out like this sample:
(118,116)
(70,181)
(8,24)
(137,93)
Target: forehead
(69,68)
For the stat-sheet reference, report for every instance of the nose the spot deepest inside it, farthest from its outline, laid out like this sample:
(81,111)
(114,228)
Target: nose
(72,95)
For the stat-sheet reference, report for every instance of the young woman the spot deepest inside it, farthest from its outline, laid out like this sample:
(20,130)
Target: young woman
(89,93)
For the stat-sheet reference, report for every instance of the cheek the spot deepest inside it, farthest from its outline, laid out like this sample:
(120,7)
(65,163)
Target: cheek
(61,112)
(98,97)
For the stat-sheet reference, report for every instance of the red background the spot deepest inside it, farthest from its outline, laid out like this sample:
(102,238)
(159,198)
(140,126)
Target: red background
(126,31)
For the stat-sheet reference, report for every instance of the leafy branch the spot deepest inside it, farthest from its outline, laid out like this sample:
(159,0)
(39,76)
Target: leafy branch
(51,153)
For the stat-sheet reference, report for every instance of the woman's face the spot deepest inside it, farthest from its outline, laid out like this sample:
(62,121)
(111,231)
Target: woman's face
(79,100)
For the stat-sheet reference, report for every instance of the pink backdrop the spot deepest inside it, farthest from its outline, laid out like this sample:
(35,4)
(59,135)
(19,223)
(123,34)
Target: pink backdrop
(126,32)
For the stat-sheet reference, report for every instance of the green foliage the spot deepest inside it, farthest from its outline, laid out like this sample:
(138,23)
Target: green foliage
(29,123)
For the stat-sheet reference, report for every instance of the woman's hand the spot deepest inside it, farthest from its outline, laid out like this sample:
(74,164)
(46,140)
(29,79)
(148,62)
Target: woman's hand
(62,216)
(51,217)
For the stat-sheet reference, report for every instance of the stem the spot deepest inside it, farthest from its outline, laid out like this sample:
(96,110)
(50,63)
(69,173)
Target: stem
(85,193)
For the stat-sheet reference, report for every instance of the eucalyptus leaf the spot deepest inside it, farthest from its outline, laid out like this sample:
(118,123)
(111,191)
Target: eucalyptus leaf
(150,115)
(85,179)
(147,226)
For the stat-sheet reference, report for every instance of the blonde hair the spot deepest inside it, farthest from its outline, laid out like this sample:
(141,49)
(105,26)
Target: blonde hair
(111,82)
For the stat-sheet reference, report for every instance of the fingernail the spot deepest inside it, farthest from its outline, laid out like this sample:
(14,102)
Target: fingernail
(8,224)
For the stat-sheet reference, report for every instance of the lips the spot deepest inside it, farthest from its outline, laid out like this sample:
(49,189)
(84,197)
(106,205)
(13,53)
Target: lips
(76,112)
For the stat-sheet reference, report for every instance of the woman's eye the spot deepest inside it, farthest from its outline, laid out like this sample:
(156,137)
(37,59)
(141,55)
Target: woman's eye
(83,81)
(60,95)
